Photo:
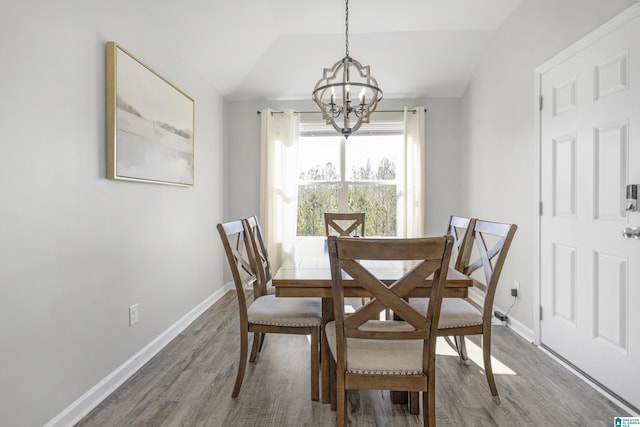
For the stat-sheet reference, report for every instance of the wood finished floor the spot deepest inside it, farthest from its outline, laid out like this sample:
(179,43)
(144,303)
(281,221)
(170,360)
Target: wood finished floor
(189,384)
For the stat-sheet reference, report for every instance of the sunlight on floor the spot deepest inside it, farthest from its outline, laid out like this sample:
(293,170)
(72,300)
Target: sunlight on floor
(475,355)
(444,349)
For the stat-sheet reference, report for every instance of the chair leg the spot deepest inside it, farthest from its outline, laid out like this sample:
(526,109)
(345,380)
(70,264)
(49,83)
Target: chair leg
(429,400)
(242,364)
(341,402)
(488,369)
(461,346)
(332,384)
(315,365)
(262,337)
(255,347)
(429,411)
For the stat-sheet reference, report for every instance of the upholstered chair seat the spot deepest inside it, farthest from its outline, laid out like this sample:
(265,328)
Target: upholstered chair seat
(455,312)
(295,312)
(365,356)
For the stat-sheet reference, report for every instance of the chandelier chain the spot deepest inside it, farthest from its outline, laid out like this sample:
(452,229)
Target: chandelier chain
(346,25)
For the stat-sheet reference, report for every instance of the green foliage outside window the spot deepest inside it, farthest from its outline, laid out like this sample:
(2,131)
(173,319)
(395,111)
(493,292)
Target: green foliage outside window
(379,204)
(370,190)
(313,201)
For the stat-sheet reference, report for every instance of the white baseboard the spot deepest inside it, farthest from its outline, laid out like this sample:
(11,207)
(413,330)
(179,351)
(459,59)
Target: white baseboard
(517,326)
(92,398)
(520,329)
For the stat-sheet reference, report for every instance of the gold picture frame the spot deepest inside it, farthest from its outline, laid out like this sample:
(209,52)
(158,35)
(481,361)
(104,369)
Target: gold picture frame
(150,124)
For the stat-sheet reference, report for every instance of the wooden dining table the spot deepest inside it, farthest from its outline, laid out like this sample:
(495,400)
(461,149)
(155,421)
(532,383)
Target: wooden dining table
(306,273)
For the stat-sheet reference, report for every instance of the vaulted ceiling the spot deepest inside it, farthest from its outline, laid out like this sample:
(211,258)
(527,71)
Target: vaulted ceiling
(277,49)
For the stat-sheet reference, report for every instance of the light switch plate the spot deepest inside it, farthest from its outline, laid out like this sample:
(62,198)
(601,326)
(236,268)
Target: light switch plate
(133,314)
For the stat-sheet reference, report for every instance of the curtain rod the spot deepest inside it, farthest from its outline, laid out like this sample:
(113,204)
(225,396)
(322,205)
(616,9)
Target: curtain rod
(413,110)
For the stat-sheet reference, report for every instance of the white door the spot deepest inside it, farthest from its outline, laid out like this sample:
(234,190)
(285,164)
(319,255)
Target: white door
(590,151)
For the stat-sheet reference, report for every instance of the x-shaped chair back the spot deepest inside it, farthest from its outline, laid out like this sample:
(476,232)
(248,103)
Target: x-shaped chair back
(489,248)
(430,256)
(259,254)
(344,224)
(461,229)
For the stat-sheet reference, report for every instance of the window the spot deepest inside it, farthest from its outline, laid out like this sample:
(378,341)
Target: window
(307,169)
(361,174)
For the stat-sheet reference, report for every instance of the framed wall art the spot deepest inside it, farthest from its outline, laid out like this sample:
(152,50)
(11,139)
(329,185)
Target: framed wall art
(150,123)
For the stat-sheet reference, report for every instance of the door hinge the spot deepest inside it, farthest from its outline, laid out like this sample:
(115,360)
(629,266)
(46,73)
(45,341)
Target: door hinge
(540,312)
(541,103)
(540,210)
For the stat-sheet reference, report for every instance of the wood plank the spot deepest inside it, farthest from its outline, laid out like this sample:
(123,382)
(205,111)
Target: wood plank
(189,383)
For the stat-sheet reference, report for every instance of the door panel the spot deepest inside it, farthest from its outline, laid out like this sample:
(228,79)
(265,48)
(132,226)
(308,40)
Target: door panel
(590,150)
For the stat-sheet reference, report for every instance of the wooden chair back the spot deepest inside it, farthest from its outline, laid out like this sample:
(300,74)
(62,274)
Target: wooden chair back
(258,256)
(487,251)
(461,229)
(430,256)
(344,223)
(237,247)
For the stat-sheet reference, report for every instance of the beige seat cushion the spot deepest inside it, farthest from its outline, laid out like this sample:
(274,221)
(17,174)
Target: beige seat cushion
(269,310)
(394,357)
(455,312)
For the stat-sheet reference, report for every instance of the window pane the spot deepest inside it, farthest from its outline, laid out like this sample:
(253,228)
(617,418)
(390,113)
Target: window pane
(379,202)
(319,158)
(373,157)
(313,201)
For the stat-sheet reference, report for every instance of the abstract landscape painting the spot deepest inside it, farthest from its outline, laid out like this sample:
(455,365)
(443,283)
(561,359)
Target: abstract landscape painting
(150,124)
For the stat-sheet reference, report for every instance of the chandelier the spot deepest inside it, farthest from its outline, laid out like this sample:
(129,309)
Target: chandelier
(347,93)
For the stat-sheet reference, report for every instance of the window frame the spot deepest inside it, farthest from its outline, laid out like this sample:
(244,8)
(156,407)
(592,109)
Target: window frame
(387,128)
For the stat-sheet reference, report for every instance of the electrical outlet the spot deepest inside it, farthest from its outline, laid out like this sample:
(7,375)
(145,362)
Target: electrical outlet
(133,314)
(515,289)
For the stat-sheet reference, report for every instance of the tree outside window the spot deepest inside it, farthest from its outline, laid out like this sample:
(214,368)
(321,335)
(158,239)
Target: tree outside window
(361,174)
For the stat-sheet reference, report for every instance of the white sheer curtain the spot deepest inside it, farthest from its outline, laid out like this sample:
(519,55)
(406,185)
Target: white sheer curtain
(414,140)
(278,181)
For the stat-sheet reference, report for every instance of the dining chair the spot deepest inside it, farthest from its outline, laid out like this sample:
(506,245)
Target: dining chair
(263,283)
(367,353)
(266,313)
(344,223)
(461,229)
(486,251)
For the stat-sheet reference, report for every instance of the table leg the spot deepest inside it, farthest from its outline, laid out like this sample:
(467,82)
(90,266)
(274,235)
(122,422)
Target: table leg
(399,397)
(325,354)
(403,397)
(414,403)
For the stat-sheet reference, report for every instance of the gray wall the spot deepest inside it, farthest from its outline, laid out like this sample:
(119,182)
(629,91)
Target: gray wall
(499,152)
(443,135)
(77,249)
